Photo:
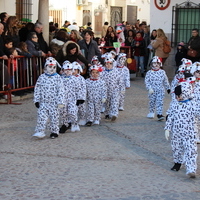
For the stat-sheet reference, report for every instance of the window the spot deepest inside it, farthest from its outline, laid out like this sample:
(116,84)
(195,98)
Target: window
(24,10)
(185,17)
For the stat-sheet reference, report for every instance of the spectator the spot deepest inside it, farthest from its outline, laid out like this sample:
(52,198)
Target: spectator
(73,27)
(104,29)
(52,31)
(23,50)
(139,52)
(89,46)
(71,52)
(75,36)
(4,75)
(81,30)
(23,32)
(153,34)
(112,38)
(194,43)
(33,45)
(89,24)
(127,28)
(42,43)
(109,30)
(4,18)
(12,30)
(180,53)
(147,42)
(57,43)
(157,44)
(130,37)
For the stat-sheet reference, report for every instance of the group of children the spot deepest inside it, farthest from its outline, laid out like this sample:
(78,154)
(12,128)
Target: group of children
(183,115)
(70,100)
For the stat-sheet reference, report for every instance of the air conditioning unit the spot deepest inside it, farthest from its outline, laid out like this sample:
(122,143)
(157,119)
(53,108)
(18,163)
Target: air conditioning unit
(79,2)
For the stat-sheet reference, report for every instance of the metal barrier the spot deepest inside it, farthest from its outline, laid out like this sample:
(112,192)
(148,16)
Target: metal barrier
(19,74)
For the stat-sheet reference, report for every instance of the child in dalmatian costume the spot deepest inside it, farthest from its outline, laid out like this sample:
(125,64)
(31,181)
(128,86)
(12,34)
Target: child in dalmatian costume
(114,84)
(69,112)
(187,63)
(48,98)
(114,54)
(124,71)
(77,69)
(156,82)
(96,95)
(95,61)
(181,123)
(195,70)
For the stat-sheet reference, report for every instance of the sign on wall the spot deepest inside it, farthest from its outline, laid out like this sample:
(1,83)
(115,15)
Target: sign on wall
(161,4)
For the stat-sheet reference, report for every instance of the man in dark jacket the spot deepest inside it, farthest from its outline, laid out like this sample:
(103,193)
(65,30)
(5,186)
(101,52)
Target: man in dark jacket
(42,43)
(194,43)
(89,47)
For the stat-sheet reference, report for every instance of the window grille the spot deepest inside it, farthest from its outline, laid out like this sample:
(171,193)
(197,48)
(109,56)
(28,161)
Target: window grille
(24,10)
(185,17)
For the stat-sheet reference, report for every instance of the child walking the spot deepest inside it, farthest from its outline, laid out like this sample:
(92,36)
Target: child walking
(156,82)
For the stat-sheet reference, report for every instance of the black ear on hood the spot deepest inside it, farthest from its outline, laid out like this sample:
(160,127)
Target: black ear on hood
(187,75)
(178,90)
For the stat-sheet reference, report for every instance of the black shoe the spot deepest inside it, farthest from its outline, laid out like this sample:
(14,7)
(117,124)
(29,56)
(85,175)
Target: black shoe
(142,75)
(63,128)
(107,117)
(160,117)
(53,135)
(88,123)
(176,166)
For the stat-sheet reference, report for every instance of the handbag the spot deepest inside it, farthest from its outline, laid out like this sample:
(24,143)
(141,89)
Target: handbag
(192,53)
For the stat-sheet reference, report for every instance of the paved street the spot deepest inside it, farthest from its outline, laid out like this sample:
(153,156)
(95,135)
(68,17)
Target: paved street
(126,160)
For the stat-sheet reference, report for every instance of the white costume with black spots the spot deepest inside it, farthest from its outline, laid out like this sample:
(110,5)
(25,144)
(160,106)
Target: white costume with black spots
(124,71)
(157,81)
(69,112)
(49,92)
(181,123)
(81,96)
(96,92)
(114,84)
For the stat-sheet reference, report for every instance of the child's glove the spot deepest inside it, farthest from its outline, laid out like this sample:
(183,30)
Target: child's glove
(78,102)
(37,104)
(167,134)
(168,91)
(103,100)
(61,105)
(151,91)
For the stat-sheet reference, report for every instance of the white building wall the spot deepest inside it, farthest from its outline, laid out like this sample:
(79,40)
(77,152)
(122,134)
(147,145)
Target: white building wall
(5,6)
(143,9)
(163,18)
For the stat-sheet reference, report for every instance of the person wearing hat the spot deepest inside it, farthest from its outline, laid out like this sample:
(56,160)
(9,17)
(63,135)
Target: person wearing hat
(180,53)
(181,126)
(156,82)
(124,71)
(48,98)
(68,114)
(96,95)
(114,84)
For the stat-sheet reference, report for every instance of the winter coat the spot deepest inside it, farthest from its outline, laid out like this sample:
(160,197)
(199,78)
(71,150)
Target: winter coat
(157,44)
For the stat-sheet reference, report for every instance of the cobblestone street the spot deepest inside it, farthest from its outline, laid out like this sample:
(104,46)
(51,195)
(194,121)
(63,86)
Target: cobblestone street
(126,160)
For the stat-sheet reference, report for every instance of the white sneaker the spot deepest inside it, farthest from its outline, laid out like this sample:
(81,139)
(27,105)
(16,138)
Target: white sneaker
(192,175)
(75,127)
(39,135)
(82,122)
(96,122)
(6,96)
(150,115)
(121,108)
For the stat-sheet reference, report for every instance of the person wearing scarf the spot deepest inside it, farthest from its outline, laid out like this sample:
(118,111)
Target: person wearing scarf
(139,52)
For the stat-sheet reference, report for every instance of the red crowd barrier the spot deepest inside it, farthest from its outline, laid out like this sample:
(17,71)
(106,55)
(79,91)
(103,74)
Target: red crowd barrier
(18,74)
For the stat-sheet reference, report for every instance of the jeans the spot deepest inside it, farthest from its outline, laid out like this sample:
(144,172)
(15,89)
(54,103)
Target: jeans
(140,63)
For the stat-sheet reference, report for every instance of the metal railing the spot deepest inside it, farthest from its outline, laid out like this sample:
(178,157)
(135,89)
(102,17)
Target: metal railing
(19,74)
